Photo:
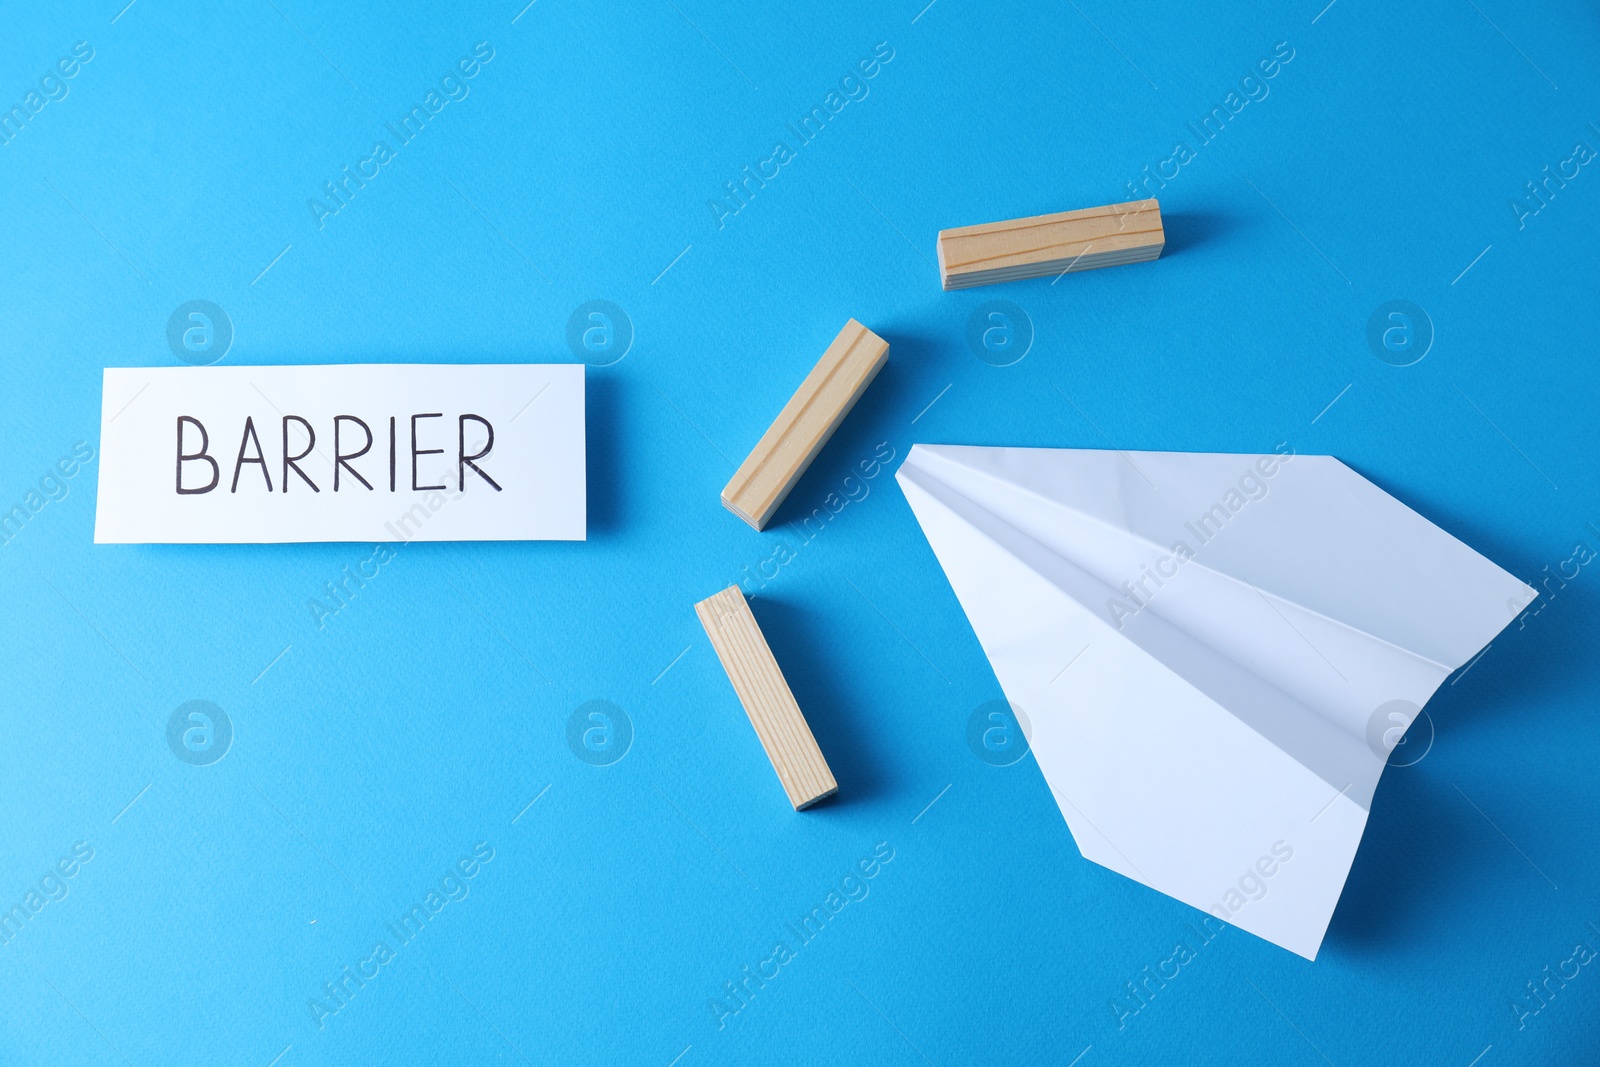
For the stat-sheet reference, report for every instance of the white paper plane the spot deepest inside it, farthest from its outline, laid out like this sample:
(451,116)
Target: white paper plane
(1216,652)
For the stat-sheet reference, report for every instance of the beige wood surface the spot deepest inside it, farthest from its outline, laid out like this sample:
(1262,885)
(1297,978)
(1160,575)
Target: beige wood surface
(765,695)
(1050,244)
(805,424)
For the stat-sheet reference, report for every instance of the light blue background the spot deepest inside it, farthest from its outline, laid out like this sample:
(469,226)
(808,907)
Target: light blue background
(421,719)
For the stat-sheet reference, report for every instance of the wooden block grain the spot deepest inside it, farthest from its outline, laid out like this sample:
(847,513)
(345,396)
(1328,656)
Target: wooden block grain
(765,695)
(1050,244)
(805,424)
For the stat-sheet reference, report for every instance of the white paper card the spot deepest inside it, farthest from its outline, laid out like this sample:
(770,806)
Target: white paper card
(351,452)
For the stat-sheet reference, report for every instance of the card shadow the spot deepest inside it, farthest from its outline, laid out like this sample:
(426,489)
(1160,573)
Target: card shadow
(603,438)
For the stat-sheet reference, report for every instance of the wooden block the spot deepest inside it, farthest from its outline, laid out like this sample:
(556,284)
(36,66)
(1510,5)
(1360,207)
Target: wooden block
(1050,244)
(805,424)
(766,697)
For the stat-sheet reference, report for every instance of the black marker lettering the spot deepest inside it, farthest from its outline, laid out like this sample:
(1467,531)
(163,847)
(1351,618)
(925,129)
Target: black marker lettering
(415,451)
(466,460)
(205,443)
(289,461)
(248,436)
(341,459)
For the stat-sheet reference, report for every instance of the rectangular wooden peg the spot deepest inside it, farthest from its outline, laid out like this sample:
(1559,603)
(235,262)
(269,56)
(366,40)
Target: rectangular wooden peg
(1050,244)
(765,694)
(805,424)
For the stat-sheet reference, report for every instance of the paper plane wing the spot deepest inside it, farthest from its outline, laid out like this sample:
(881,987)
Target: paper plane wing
(1216,652)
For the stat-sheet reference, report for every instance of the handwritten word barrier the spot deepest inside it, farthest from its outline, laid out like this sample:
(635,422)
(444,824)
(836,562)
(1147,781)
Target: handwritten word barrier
(486,452)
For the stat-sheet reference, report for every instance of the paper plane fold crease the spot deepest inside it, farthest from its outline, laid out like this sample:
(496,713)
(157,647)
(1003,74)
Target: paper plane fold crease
(1216,652)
